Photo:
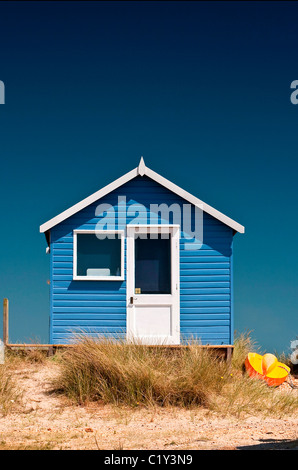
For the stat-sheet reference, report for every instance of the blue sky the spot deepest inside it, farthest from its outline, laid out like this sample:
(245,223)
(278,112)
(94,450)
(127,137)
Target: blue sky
(200,89)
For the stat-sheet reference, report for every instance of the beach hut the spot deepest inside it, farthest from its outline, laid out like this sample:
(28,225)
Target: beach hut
(142,259)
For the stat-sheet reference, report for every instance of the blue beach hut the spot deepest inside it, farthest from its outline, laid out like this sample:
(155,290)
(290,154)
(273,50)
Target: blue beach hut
(142,258)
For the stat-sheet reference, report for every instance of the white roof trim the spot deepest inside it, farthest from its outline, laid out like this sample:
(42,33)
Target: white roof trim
(142,167)
(89,200)
(141,170)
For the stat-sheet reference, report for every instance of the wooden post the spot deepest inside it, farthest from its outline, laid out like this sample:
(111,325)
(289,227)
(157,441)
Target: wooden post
(5,321)
(229,356)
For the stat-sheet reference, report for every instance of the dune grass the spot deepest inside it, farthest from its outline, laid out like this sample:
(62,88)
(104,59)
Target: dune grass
(132,374)
(10,394)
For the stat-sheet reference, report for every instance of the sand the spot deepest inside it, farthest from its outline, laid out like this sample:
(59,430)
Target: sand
(49,421)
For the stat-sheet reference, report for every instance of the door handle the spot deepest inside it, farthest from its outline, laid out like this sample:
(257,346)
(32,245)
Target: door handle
(131,300)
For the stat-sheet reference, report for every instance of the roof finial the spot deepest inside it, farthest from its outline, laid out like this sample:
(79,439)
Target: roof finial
(141,167)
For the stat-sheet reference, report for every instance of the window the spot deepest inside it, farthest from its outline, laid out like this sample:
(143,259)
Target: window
(153,265)
(98,255)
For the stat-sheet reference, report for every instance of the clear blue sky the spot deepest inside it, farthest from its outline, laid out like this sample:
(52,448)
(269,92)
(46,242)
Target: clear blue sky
(200,89)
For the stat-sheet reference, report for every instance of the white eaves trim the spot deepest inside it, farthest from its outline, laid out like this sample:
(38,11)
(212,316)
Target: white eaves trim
(141,170)
(89,200)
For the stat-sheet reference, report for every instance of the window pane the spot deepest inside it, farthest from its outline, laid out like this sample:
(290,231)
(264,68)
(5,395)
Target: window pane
(97,257)
(153,265)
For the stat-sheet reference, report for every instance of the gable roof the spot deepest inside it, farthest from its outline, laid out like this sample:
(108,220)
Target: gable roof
(141,170)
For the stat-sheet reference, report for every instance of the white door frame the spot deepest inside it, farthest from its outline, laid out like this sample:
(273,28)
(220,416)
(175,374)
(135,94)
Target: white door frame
(153,300)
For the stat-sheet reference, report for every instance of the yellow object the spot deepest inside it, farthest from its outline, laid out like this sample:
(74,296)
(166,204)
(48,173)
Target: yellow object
(267,368)
(269,362)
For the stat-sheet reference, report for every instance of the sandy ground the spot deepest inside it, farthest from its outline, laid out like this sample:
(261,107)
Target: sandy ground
(48,421)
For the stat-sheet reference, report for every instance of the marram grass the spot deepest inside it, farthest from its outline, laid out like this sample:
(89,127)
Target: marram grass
(10,395)
(113,371)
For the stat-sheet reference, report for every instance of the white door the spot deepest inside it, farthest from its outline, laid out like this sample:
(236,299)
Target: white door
(152,264)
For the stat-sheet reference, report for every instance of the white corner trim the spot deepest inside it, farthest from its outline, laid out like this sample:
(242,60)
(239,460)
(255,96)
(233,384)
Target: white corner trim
(142,170)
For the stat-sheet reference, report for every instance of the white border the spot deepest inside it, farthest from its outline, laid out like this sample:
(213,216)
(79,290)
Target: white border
(141,170)
(97,278)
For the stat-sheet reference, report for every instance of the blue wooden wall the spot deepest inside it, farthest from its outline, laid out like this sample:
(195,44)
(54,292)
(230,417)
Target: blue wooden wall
(100,306)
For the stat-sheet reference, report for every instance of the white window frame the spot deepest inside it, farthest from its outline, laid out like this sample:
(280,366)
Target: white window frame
(97,278)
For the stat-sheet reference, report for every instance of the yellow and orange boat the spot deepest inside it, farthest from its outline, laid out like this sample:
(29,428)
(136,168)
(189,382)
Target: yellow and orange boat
(267,368)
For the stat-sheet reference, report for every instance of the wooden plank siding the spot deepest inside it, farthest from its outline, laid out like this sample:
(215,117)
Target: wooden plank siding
(100,306)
